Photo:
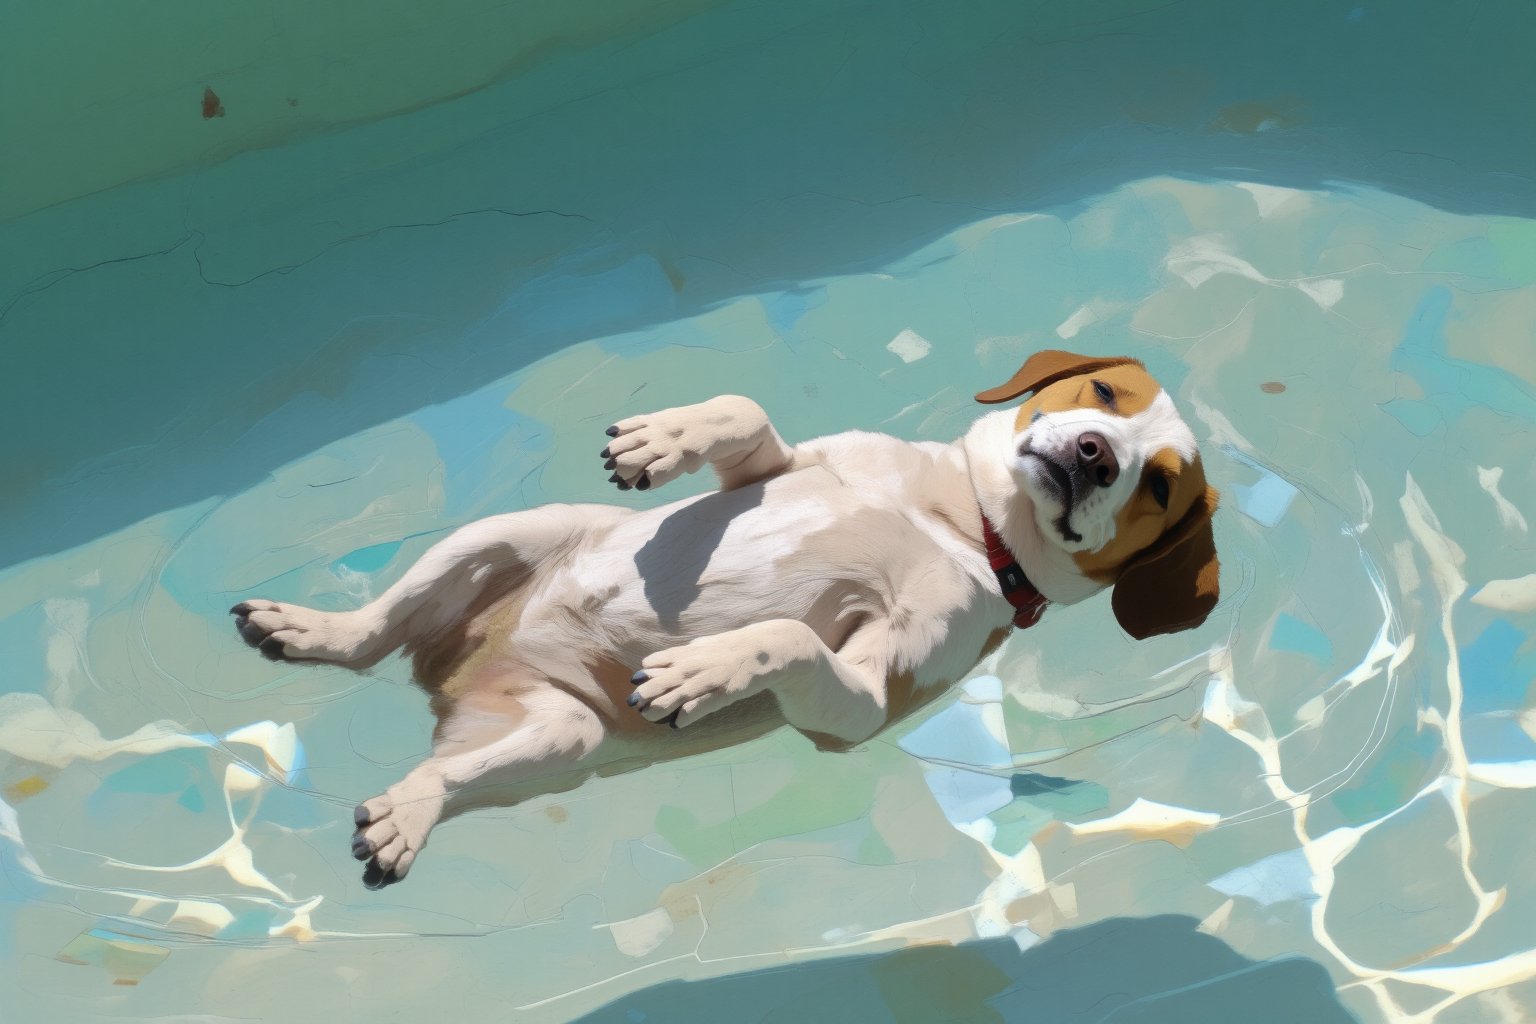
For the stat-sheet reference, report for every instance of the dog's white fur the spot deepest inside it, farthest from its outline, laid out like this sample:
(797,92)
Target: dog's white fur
(846,577)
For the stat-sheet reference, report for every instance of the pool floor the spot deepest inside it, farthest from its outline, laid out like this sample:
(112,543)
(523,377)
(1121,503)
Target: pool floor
(1314,807)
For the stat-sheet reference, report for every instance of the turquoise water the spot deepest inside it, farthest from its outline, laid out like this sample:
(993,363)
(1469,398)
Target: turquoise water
(287,366)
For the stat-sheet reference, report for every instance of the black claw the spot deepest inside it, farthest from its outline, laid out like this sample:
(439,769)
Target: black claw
(671,719)
(605,453)
(243,608)
(360,816)
(250,632)
(612,431)
(638,678)
(361,848)
(271,648)
(611,464)
(624,486)
(375,877)
(634,700)
(644,481)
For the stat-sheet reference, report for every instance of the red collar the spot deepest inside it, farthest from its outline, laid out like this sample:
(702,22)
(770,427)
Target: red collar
(1028,603)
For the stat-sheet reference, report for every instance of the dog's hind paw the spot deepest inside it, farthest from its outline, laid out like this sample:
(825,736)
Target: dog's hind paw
(391,830)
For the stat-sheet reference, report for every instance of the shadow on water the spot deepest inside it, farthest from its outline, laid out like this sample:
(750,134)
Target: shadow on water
(1156,970)
(1038,784)
(178,339)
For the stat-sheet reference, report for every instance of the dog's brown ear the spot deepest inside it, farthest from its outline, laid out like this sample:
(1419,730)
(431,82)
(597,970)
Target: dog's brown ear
(1047,367)
(1173,585)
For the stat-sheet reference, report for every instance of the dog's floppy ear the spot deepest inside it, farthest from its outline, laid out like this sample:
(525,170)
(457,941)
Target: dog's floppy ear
(1047,367)
(1172,586)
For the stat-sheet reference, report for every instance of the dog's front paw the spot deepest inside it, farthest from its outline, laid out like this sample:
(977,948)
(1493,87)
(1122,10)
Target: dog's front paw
(288,632)
(651,450)
(680,685)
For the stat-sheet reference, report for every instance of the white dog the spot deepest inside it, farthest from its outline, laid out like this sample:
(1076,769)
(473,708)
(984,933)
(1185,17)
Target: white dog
(834,586)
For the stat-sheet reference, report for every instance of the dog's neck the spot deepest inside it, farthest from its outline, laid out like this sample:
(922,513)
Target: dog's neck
(988,452)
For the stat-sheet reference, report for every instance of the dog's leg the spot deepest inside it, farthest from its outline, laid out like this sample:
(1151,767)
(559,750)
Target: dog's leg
(730,433)
(839,694)
(433,595)
(481,755)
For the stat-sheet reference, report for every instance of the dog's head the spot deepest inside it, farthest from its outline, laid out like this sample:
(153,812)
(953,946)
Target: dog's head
(1116,480)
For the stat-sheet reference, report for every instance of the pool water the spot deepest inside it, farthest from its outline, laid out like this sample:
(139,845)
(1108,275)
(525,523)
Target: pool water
(1315,807)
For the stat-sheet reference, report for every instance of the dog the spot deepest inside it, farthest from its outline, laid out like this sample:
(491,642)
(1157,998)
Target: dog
(834,586)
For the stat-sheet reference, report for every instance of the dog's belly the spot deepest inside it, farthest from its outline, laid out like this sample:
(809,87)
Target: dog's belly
(801,546)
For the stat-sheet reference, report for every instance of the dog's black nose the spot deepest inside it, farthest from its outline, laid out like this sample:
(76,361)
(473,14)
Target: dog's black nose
(1097,458)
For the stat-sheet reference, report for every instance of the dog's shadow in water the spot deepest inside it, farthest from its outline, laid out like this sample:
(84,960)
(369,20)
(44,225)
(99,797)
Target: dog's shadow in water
(671,564)
(1154,970)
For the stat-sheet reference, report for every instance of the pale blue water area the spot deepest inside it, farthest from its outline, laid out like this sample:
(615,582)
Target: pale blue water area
(290,356)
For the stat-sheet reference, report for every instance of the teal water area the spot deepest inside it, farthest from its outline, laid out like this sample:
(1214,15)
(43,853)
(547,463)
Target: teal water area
(288,346)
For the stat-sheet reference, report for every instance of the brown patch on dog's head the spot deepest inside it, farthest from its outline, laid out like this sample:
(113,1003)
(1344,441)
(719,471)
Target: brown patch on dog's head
(1132,389)
(1059,381)
(1047,367)
(1162,562)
